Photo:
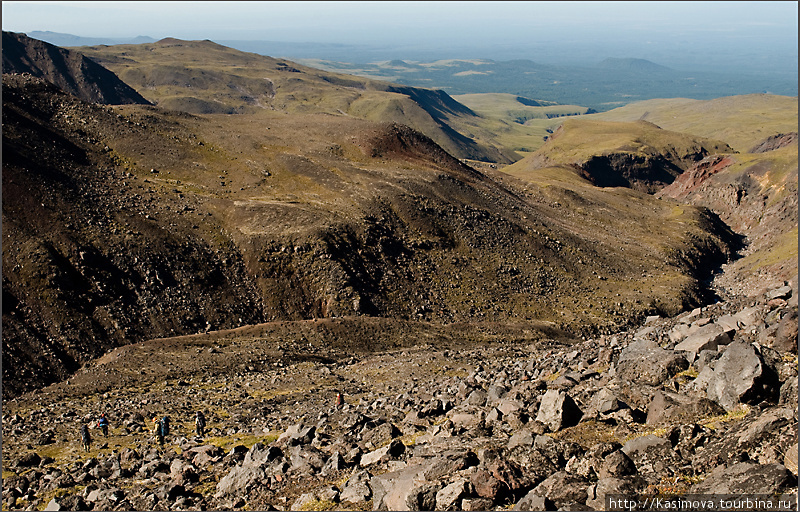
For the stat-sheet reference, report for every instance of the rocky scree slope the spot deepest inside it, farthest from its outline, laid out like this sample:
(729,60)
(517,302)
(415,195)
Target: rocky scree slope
(128,223)
(756,194)
(704,402)
(71,71)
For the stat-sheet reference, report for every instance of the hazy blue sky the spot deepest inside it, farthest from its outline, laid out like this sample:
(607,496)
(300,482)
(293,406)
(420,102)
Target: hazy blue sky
(354,22)
(636,29)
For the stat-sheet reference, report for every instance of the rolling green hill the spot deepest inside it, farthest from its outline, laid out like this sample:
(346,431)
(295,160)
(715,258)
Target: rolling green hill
(202,77)
(740,121)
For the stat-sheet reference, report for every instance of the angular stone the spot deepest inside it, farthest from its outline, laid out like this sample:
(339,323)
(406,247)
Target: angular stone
(423,497)
(738,377)
(357,488)
(728,323)
(708,337)
(520,438)
(533,501)
(557,410)
(470,504)
(380,435)
(784,292)
(746,477)
(629,487)
(487,486)
(388,452)
(672,408)
(603,402)
(652,455)
(644,362)
(617,465)
(562,487)
(449,498)
(790,459)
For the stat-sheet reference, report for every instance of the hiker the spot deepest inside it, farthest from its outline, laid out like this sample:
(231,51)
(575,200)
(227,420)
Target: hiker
(339,400)
(200,423)
(86,438)
(164,423)
(102,424)
(158,431)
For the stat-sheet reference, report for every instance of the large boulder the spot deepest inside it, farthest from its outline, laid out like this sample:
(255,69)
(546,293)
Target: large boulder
(740,376)
(644,362)
(396,489)
(558,410)
(652,455)
(669,407)
(563,488)
(746,477)
(708,337)
(357,489)
(628,487)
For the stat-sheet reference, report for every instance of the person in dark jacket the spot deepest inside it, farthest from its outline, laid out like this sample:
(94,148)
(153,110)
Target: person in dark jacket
(86,438)
(200,423)
(158,431)
(102,424)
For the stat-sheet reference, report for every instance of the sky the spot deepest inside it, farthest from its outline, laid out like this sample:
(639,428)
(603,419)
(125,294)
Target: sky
(614,28)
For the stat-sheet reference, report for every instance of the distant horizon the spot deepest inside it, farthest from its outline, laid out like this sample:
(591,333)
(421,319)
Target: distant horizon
(750,36)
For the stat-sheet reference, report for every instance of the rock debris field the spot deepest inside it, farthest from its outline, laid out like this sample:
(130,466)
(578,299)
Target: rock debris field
(705,402)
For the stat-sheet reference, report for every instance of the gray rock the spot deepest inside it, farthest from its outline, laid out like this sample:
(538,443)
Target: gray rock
(604,401)
(520,438)
(558,411)
(784,292)
(790,459)
(728,323)
(748,316)
(388,452)
(470,504)
(391,490)
(708,337)
(644,362)
(297,434)
(448,463)
(380,435)
(652,455)
(533,501)
(739,377)
(669,407)
(627,487)
(616,465)
(306,459)
(239,479)
(562,488)
(423,497)
(449,497)
(746,477)
(357,489)
(477,398)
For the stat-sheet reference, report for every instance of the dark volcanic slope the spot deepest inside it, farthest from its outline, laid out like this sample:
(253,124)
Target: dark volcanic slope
(67,69)
(128,223)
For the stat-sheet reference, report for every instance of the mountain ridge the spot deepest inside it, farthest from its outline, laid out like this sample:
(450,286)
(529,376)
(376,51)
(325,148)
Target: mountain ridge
(69,70)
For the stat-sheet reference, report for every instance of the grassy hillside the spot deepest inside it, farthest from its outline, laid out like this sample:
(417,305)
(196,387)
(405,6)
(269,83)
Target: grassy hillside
(638,155)
(740,121)
(202,77)
(518,123)
(131,223)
